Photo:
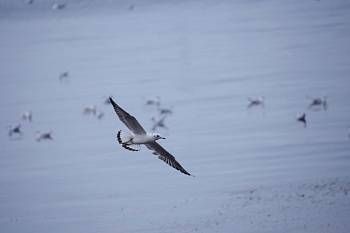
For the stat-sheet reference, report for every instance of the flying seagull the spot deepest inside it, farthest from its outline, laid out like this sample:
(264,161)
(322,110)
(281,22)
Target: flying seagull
(256,101)
(139,136)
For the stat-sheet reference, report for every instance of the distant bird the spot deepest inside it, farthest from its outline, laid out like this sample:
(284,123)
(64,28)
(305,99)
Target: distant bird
(63,76)
(100,115)
(44,136)
(155,102)
(259,101)
(27,116)
(165,111)
(90,110)
(107,101)
(29,2)
(302,118)
(131,7)
(139,136)
(15,130)
(319,102)
(158,123)
(58,6)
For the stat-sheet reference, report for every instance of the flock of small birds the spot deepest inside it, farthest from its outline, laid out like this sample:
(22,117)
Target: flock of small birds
(158,121)
(54,6)
(315,104)
(92,110)
(162,113)
(16,132)
(60,5)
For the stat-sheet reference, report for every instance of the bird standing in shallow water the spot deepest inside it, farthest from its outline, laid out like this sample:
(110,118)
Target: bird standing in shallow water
(302,118)
(155,102)
(58,6)
(44,136)
(90,110)
(15,130)
(107,101)
(63,76)
(260,101)
(27,116)
(165,111)
(319,102)
(158,123)
(100,115)
(139,136)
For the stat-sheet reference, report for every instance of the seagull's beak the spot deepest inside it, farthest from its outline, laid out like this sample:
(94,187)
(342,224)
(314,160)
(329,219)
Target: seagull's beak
(162,138)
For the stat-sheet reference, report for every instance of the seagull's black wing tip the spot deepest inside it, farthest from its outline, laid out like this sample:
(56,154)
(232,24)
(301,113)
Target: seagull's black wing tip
(186,173)
(112,101)
(182,170)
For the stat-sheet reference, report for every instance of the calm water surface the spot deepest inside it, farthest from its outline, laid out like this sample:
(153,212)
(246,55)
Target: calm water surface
(256,169)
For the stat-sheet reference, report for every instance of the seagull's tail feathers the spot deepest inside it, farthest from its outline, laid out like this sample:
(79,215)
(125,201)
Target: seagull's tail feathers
(124,145)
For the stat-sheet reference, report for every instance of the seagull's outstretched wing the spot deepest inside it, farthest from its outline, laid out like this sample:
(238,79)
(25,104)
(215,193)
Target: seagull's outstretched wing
(127,119)
(166,156)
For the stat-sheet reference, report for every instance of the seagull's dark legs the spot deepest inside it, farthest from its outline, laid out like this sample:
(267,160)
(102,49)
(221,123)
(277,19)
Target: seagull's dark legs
(124,144)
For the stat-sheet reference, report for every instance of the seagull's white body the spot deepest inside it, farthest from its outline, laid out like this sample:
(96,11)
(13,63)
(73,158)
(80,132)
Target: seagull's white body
(132,139)
(139,136)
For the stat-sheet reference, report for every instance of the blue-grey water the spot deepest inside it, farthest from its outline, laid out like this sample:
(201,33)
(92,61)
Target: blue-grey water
(256,170)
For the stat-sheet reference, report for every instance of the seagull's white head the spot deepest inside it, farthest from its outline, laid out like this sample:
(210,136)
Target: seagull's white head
(157,136)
